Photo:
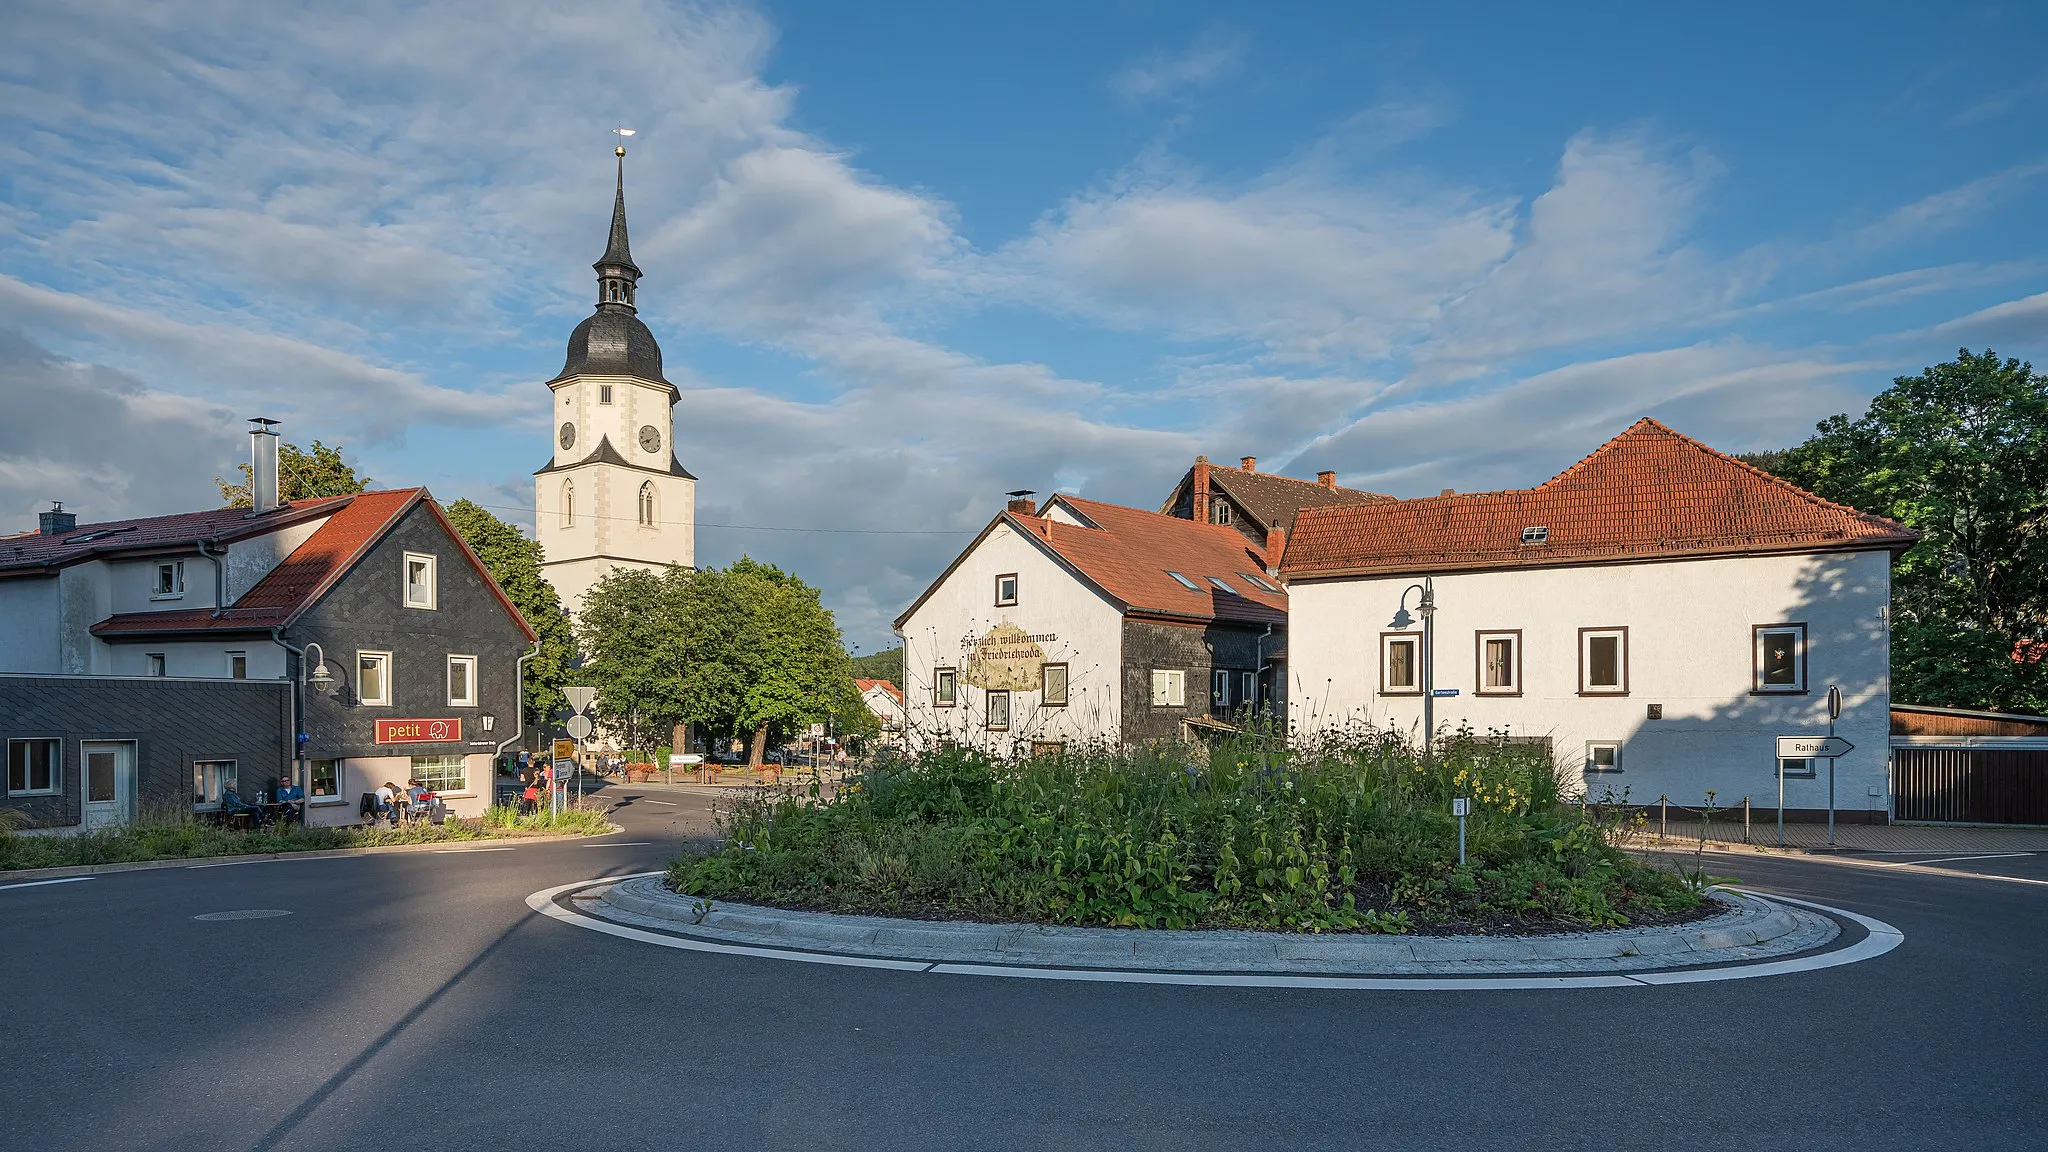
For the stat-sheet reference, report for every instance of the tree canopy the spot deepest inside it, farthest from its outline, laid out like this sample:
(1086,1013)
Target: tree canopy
(514,562)
(302,475)
(884,665)
(1959,453)
(747,650)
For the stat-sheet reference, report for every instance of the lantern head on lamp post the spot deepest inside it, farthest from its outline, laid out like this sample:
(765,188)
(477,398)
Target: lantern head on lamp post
(1426,605)
(321,680)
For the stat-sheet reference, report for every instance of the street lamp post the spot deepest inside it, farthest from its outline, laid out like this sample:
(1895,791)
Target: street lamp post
(1426,605)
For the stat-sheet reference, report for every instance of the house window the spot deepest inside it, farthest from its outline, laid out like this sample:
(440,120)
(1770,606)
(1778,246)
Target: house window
(998,711)
(1169,688)
(1053,686)
(1006,590)
(210,778)
(1183,581)
(323,779)
(1603,661)
(1248,688)
(1500,664)
(1603,755)
(604,391)
(1400,664)
(419,580)
(238,665)
(1219,511)
(170,581)
(1258,582)
(373,677)
(1801,768)
(1780,657)
(32,767)
(647,503)
(462,681)
(158,666)
(1219,687)
(568,504)
(440,773)
(945,687)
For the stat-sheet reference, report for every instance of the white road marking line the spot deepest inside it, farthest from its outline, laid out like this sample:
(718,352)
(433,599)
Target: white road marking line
(460,851)
(618,844)
(663,803)
(1950,859)
(1916,869)
(40,883)
(1881,939)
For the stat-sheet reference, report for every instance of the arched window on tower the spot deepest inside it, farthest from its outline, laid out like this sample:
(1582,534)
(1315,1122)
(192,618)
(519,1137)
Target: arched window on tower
(568,504)
(647,503)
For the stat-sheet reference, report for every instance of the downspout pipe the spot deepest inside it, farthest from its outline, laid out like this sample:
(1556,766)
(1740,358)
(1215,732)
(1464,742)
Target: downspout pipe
(297,679)
(519,708)
(220,577)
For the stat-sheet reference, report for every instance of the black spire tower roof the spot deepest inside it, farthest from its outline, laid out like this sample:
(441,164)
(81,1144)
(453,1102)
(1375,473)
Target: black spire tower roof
(613,341)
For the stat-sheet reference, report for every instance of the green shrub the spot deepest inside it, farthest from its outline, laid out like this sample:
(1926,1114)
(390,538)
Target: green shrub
(1352,834)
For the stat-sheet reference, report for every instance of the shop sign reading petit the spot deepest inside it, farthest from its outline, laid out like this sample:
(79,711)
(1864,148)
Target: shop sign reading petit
(418,731)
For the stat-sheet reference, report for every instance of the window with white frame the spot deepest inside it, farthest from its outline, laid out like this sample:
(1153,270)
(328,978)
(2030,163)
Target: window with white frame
(210,778)
(32,767)
(440,773)
(373,677)
(1779,657)
(1053,686)
(1603,755)
(998,711)
(1500,664)
(1248,688)
(462,681)
(1603,661)
(1400,663)
(157,664)
(945,687)
(1006,590)
(1219,687)
(419,580)
(1169,688)
(323,779)
(1219,511)
(169,583)
(1801,768)
(238,665)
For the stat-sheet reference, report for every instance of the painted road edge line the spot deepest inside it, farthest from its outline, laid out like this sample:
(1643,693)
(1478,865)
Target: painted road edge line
(40,883)
(1880,938)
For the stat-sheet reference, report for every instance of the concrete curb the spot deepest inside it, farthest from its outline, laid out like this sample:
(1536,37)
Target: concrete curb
(1750,929)
(20,874)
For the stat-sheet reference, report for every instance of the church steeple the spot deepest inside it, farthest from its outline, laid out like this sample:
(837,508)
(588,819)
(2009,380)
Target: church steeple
(617,275)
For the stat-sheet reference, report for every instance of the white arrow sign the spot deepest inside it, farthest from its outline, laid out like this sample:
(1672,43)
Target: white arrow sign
(1812,747)
(579,698)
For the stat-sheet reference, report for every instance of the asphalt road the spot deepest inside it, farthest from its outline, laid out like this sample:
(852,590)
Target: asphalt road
(413,1001)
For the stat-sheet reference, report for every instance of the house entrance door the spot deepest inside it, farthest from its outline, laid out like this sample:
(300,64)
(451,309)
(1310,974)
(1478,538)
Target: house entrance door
(109,783)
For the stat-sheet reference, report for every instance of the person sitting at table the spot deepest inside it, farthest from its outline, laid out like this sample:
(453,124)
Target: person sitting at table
(293,798)
(418,800)
(233,807)
(390,801)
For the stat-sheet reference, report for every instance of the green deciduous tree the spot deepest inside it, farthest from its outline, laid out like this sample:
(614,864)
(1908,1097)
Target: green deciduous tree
(302,475)
(514,562)
(884,665)
(1959,453)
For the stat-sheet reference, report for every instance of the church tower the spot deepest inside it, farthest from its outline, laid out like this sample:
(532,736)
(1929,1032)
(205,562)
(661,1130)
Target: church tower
(614,494)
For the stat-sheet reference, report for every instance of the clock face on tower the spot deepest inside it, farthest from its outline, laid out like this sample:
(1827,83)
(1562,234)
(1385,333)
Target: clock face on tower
(568,435)
(650,438)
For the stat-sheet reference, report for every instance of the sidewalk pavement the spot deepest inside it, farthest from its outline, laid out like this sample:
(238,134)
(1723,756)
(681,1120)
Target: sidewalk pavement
(1725,831)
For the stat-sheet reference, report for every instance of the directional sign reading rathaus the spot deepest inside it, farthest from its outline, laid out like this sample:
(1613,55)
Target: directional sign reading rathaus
(1812,747)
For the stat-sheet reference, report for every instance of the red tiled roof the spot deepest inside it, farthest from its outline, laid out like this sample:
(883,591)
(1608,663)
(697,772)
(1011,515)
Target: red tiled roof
(35,550)
(1128,552)
(302,578)
(885,685)
(1649,493)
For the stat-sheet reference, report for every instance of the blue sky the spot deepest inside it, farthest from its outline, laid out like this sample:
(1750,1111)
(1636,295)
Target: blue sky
(903,257)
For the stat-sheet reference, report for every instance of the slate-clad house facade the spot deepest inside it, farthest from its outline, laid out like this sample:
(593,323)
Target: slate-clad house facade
(175,648)
(1255,503)
(1086,622)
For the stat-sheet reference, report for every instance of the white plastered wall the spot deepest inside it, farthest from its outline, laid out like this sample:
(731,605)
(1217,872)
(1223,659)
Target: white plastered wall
(367,773)
(605,530)
(1689,650)
(1087,636)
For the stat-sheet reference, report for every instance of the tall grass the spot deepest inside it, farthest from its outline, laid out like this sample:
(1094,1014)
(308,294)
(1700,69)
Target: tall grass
(1351,833)
(170,834)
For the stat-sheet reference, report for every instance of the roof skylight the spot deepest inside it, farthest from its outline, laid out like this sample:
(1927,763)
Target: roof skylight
(1258,582)
(1183,581)
(1539,534)
(1220,582)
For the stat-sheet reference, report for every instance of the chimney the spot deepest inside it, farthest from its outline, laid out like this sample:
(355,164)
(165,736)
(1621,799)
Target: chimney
(56,520)
(1020,502)
(1200,484)
(1327,479)
(1247,463)
(1448,492)
(263,492)
(1276,546)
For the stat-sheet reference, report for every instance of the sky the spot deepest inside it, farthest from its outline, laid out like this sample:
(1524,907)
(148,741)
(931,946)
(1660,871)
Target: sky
(904,257)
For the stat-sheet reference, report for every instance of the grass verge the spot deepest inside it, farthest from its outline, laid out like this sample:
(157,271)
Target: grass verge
(1348,835)
(176,835)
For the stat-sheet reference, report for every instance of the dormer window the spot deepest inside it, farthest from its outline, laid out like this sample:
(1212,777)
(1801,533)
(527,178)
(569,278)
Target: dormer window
(1219,512)
(169,582)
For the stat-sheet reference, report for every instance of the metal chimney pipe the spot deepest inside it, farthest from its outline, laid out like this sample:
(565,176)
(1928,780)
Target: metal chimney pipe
(263,489)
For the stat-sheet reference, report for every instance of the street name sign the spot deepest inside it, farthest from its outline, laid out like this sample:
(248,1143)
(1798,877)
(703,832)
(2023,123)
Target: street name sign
(684,759)
(1444,692)
(1812,747)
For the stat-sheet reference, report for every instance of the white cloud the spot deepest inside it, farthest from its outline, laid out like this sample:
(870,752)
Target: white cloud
(1214,56)
(2022,322)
